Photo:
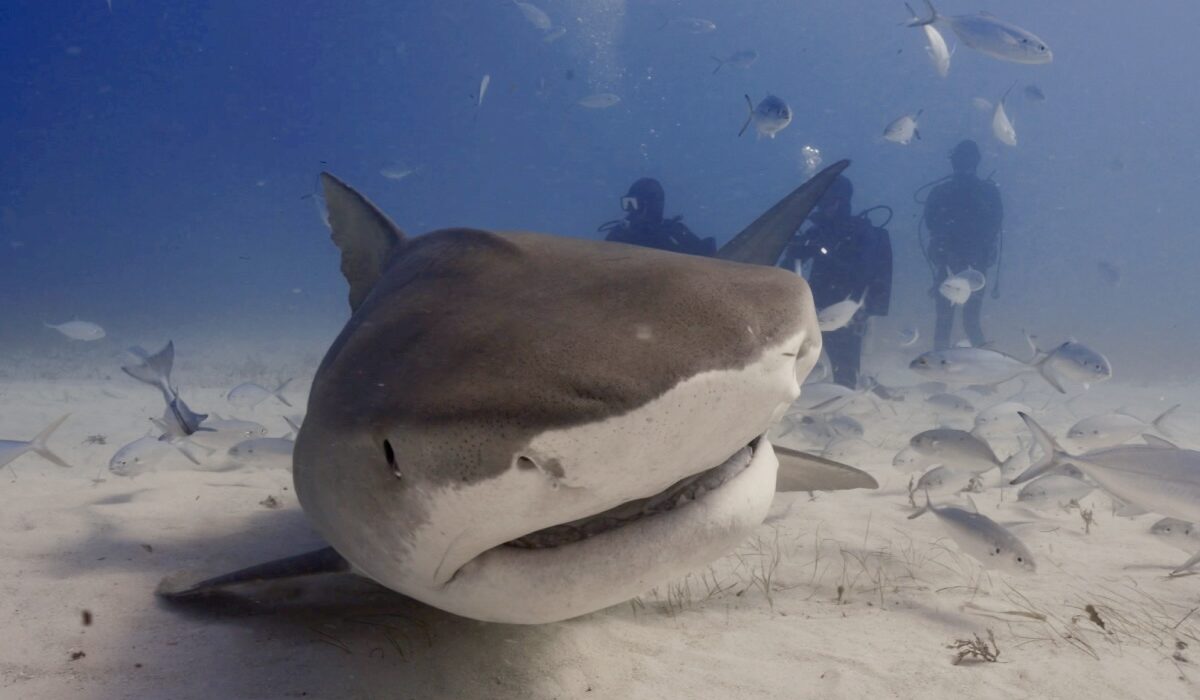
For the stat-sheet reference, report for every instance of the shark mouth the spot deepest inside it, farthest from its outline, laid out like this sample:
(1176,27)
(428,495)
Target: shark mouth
(678,494)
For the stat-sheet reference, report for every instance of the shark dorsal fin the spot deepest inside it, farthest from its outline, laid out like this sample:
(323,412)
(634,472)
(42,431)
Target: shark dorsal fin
(763,241)
(365,236)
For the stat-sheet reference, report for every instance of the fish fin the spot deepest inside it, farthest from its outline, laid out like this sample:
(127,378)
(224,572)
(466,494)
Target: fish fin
(971,501)
(749,117)
(155,369)
(365,236)
(916,20)
(1155,441)
(1157,422)
(799,471)
(1005,97)
(1038,353)
(924,509)
(1051,452)
(190,457)
(720,64)
(764,240)
(278,393)
(1045,370)
(1185,566)
(38,444)
(292,424)
(321,561)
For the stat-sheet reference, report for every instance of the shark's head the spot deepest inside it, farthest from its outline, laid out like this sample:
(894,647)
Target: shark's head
(524,428)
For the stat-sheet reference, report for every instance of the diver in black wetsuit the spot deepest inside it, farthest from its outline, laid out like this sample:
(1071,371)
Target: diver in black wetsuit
(964,216)
(644,224)
(850,256)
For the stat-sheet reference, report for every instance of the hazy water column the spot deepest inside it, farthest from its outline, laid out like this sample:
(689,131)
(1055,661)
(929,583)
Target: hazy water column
(593,29)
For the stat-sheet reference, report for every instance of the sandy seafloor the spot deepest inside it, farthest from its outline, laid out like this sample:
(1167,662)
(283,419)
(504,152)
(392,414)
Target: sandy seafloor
(836,596)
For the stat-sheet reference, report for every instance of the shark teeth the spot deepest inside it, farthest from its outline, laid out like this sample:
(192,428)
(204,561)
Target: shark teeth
(679,494)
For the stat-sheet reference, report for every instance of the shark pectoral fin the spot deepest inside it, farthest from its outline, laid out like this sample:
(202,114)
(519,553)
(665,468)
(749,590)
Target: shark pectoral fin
(321,561)
(763,241)
(365,236)
(799,471)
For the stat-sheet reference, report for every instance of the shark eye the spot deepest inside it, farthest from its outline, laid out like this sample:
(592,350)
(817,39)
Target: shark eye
(390,454)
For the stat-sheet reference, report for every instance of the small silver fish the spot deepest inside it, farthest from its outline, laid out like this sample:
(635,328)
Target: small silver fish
(957,290)
(1111,429)
(600,100)
(949,404)
(978,366)
(903,129)
(245,428)
(140,455)
(1053,490)
(836,316)
(249,394)
(12,449)
(1156,479)
(956,449)
(911,460)
(534,15)
(982,538)
(737,59)
(771,116)
(1177,533)
(1079,363)
(992,36)
(692,25)
(263,450)
(1002,126)
(944,480)
(483,86)
(78,330)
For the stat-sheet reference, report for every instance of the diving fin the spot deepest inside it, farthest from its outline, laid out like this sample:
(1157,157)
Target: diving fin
(799,471)
(321,561)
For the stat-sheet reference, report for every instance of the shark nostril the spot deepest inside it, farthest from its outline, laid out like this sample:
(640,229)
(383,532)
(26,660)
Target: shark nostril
(390,454)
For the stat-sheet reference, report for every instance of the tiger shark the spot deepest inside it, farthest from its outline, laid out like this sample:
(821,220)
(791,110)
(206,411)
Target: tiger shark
(524,428)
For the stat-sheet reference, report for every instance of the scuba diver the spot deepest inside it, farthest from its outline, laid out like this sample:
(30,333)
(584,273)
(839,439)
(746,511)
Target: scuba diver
(644,224)
(964,216)
(851,259)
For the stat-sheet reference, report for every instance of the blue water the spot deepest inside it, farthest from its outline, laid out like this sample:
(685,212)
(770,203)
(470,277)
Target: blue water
(157,157)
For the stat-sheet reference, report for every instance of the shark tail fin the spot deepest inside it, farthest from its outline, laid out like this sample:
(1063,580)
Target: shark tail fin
(38,443)
(1052,453)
